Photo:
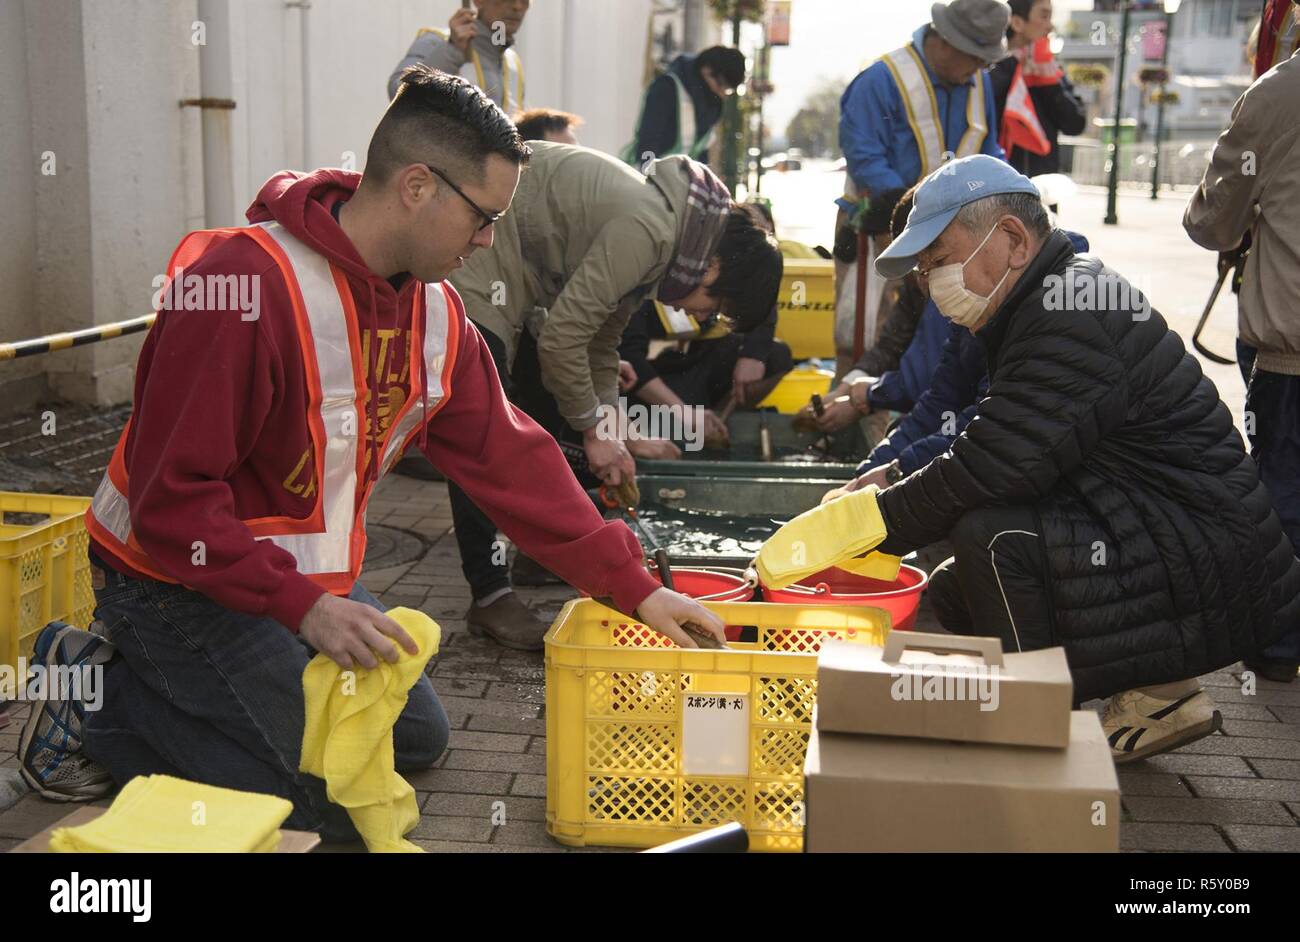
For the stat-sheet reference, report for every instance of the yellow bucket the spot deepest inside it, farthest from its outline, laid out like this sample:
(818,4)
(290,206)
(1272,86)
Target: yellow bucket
(796,388)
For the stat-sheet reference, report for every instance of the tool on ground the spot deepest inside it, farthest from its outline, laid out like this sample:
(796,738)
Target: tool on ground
(1226,265)
(764,437)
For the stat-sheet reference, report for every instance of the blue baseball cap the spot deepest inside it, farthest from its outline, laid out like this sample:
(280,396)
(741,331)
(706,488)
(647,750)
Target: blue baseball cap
(940,197)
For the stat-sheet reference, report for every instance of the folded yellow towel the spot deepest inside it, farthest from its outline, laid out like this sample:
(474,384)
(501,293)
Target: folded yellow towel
(162,814)
(836,533)
(348,739)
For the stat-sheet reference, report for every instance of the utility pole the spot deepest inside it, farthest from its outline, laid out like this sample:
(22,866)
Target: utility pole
(1112,185)
(731,121)
(1171,7)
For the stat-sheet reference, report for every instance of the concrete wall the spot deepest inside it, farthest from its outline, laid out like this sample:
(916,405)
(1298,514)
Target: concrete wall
(100,84)
(21,381)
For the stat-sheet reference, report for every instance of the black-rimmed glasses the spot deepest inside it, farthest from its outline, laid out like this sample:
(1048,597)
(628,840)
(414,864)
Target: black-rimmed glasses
(488,218)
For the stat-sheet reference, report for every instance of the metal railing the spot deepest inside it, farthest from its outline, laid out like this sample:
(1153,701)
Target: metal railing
(75,338)
(1182,163)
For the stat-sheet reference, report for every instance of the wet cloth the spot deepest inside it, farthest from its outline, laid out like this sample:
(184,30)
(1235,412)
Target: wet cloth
(164,814)
(348,739)
(836,533)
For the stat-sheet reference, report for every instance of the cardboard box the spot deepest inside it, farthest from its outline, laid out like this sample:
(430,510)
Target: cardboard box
(917,686)
(291,842)
(883,793)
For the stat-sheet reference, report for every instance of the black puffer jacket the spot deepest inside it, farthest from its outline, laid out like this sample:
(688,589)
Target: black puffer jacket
(1104,425)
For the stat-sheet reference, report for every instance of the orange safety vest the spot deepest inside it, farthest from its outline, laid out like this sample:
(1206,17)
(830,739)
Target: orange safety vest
(329,543)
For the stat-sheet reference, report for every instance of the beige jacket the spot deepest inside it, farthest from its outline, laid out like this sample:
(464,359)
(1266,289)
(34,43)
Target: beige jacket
(1253,184)
(588,239)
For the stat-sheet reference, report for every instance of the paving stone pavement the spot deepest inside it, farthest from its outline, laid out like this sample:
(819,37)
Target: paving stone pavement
(1236,791)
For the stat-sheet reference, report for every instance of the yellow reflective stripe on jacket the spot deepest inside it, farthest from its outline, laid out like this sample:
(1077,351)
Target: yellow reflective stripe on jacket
(919,103)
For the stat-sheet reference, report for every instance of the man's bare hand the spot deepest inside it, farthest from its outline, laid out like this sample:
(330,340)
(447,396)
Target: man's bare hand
(747,370)
(875,476)
(626,376)
(462,28)
(666,611)
(654,449)
(608,457)
(350,633)
(837,414)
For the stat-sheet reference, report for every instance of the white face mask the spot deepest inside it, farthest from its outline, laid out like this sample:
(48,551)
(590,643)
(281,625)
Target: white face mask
(949,292)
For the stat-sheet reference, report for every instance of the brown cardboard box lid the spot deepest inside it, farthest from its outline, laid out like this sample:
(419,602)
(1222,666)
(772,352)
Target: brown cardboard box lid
(1017,698)
(291,842)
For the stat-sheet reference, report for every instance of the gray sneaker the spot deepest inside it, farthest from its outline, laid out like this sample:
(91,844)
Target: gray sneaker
(50,756)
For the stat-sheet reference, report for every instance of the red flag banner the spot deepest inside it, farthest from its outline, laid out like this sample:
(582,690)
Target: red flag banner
(1020,125)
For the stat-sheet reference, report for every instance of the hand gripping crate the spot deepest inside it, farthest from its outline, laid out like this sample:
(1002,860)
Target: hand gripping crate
(44,571)
(648,742)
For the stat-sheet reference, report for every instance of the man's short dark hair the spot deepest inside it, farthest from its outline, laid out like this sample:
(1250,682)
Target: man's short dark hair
(902,209)
(445,121)
(727,63)
(535,123)
(750,269)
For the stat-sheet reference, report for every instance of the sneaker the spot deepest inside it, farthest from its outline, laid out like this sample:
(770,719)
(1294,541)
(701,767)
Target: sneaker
(50,756)
(1138,726)
(508,622)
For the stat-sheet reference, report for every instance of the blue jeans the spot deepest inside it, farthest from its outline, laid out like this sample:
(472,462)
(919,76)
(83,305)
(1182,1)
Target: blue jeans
(215,696)
(1274,398)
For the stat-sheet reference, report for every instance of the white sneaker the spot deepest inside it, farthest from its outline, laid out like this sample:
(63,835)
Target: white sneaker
(1138,726)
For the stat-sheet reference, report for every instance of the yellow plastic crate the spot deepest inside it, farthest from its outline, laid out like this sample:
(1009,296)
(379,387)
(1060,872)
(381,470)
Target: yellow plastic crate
(805,308)
(44,571)
(616,694)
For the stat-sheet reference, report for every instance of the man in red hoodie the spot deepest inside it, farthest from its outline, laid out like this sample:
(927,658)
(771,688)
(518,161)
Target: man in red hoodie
(228,532)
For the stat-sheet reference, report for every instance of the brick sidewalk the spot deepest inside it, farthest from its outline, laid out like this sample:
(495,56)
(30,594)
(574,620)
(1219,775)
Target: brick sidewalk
(1239,790)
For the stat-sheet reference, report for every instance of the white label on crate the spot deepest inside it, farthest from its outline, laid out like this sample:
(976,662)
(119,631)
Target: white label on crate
(715,734)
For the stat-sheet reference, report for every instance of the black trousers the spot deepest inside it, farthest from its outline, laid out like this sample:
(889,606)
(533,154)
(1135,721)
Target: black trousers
(484,566)
(485,569)
(702,375)
(995,583)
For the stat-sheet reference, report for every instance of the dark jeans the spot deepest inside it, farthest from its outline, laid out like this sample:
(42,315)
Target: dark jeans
(1274,400)
(702,375)
(215,696)
(994,583)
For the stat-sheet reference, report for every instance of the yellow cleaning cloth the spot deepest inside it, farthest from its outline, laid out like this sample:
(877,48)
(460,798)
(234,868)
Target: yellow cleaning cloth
(162,814)
(348,740)
(836,533)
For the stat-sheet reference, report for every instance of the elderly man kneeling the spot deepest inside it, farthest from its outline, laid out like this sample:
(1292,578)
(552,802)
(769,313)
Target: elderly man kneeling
(1100,499)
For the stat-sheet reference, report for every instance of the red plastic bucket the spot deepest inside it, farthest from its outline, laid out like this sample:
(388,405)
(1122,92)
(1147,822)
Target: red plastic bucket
(901,597)
(710,585)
